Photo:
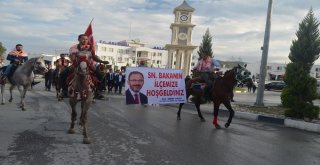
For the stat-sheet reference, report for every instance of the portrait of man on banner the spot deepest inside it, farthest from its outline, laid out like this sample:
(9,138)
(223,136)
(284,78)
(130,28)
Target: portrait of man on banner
(133,94)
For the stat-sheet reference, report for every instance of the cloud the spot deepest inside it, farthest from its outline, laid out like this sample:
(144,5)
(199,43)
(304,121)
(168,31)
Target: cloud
(237,26)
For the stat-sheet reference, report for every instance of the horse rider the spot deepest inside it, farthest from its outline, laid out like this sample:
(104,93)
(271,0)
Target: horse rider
(85,45)
(207,66)
(16,57)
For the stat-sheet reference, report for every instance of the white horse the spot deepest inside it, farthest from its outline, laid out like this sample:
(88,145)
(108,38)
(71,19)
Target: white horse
(23,77)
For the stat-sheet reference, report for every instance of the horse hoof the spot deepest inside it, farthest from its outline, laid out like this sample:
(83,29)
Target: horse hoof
(71,131)
(23,109)
(10,100)
(2,103)
(227,125)
(86,141)
(202,120)
(178,118)
(217,126)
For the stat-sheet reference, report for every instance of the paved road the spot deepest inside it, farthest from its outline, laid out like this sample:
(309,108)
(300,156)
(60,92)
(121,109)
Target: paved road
(143,135)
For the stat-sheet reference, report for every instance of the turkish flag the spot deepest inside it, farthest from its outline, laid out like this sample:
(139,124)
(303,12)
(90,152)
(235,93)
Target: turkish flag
(89,33)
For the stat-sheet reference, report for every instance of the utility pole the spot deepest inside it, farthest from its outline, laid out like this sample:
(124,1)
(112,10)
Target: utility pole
(264,58)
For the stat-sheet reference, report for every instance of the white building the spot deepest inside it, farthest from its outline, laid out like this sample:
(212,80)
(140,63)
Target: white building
(276,71)
(130,53)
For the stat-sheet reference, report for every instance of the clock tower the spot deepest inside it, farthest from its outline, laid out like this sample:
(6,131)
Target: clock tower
(180,50)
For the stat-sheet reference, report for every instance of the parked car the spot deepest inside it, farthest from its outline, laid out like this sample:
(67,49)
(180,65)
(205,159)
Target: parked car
(274,86)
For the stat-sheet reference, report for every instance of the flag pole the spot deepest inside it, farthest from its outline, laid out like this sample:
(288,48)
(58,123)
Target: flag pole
(91,20)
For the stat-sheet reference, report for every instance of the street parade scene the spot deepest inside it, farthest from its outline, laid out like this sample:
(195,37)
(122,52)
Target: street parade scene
(183,82)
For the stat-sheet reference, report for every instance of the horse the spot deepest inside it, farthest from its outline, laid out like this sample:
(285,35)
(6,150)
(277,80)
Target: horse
(81,90)
(23,77)
(221,93)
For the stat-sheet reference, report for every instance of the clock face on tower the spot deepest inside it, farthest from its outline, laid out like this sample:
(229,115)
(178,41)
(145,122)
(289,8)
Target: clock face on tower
(182,36)
(183,17)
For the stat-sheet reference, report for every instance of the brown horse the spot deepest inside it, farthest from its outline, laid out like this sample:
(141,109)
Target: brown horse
(80,90)
(221,92)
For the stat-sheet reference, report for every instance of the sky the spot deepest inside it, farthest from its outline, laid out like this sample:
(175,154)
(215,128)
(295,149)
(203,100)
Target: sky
(237,26)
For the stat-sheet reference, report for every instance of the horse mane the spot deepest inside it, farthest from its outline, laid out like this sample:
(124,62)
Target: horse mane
(229,77)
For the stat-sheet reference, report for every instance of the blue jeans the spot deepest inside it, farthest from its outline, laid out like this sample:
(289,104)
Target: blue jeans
(8,70)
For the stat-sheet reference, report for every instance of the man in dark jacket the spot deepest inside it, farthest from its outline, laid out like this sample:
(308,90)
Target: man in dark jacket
(118,82)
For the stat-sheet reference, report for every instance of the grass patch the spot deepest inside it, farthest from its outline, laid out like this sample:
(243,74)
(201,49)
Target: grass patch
(270,110)
(239,89)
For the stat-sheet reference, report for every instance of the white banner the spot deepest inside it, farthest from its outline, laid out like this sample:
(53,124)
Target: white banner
(154,86)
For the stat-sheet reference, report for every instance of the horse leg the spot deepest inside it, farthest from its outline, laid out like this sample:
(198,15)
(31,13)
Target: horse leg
(22,95)
(231,113)
(2,94)
(179,111)
(180,107)
(84,120)
(73,103)
(197,104)
(215,115)
(10,89)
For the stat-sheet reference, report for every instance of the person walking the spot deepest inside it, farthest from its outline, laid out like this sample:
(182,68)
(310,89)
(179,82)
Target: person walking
(119,81)
(48,76)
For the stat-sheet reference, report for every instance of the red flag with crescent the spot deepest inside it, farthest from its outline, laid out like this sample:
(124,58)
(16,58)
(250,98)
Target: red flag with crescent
(89,33)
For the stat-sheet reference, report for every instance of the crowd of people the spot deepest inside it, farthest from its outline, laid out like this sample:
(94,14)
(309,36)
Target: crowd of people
(109,81)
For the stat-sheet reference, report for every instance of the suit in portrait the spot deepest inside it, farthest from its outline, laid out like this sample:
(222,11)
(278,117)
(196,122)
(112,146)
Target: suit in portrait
(130,100)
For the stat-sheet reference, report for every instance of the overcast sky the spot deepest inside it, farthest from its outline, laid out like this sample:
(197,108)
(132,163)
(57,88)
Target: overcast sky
(237,26)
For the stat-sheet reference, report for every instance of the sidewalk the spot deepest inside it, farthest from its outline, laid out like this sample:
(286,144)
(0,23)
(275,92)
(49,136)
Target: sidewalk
(287,122)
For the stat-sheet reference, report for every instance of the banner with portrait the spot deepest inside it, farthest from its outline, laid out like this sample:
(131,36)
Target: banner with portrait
(154,86)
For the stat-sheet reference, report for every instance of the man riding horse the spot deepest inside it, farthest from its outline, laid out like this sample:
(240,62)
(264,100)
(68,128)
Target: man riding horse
(83,45)
(207,66)
(16,57)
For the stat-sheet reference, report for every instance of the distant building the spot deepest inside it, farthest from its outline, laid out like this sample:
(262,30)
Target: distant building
(276,71)
(130,53)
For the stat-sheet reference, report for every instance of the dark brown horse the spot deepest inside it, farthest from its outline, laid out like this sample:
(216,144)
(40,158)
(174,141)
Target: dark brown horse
(221,93)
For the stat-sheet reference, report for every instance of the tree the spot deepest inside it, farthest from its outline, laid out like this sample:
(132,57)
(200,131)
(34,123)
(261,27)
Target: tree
(206,45)
(300,87)
(2,49)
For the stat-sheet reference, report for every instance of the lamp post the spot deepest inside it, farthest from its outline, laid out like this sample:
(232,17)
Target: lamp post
(264,58)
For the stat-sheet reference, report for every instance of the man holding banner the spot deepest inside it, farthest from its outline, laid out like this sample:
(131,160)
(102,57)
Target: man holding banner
(133,94)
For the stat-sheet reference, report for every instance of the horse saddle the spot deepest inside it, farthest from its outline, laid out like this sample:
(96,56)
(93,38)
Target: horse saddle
(197,85)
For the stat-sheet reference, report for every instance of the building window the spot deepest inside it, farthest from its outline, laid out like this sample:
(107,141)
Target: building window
(159,54)
(110,49)
(279,68)
(192,64)
(127,51)
(269,68)
(104,49)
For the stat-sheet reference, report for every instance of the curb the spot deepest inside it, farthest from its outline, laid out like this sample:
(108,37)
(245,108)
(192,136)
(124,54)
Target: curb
(287,122)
